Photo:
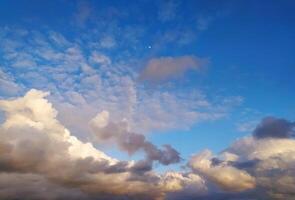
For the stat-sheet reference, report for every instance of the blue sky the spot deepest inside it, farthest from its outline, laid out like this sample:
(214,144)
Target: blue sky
(192,74)
(250,54)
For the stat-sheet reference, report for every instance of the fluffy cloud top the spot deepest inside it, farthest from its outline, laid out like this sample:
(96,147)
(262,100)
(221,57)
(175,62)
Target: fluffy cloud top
(33,141)
(36,147)
(227,177)
(255,167)
(36,150)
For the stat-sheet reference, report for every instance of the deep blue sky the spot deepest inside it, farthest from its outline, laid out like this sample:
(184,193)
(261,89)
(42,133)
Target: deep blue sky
(250,45)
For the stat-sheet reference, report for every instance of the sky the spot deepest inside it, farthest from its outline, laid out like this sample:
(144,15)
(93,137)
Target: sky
(147,99)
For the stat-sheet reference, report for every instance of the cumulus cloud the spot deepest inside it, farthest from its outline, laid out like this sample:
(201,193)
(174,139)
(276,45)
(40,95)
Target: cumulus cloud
(180,185)
(131,142)
(36,146)
(268,159)
(34,187)
(252,167)
(40,158)
(165,68)
(227,177)
(33,141)
(275,127)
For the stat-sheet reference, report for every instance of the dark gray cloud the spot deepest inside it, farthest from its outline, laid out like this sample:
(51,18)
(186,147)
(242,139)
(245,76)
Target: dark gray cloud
(132,142)
(275,128)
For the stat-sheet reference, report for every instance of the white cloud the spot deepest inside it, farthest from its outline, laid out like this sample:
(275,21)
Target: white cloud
(99,58)
(38,152)
(89,82)
(7,85)
(107,42)
(227,177)
(247,126)
(259,167)
(33,141)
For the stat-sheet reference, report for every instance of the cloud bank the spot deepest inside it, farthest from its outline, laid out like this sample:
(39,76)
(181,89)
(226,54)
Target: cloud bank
(40,158)
(36,148)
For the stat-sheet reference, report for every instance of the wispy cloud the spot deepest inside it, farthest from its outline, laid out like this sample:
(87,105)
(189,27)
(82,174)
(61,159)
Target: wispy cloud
(90,81)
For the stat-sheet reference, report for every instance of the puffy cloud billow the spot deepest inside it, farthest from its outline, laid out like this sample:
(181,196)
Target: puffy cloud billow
(37,151)
(131,142)
(35,147)
(41,159)
(258,166)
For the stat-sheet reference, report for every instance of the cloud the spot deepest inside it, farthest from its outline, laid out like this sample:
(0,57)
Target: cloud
(226,177)
(7,84)
(274,127)
(40,158)
(263,165)
(165,68)
(272,159)
(98,58)
(181,185)
(34,187)
(131,142)
(83,80)
(252,167)
(246,126)
(37,151)
(33,141)
(107,42)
